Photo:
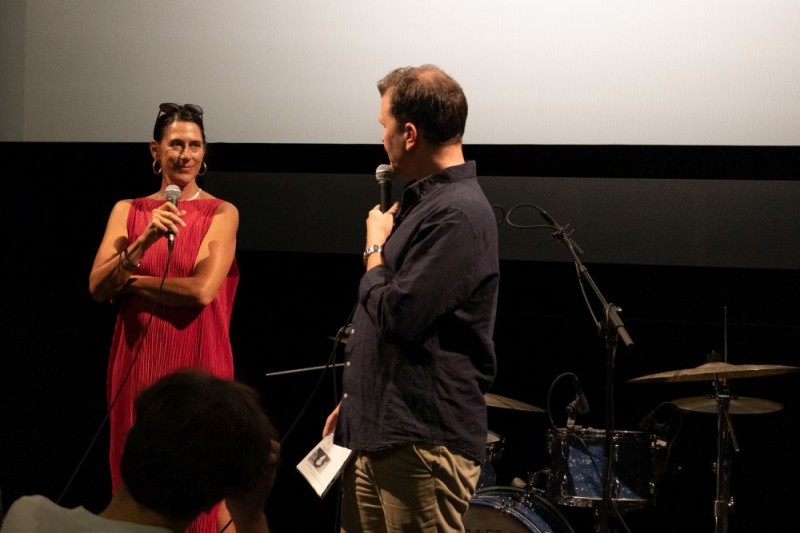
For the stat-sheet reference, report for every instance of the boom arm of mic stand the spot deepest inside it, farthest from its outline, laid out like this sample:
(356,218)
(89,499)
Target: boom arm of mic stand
(614,323)
(614,330)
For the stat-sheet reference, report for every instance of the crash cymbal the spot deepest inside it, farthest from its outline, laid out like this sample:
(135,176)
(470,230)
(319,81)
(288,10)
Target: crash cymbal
(738,405)
(495,400)
(716,371)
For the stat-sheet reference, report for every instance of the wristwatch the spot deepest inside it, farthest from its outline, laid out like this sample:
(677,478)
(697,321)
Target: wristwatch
(374,249)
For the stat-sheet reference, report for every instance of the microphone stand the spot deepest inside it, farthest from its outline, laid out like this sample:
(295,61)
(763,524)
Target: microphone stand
(298,370)
(612,330)
(340,338)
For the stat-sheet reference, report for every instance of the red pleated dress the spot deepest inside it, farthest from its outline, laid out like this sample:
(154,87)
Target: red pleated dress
(177,337)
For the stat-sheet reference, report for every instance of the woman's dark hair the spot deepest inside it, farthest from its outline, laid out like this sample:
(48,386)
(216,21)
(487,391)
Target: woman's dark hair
(169,113)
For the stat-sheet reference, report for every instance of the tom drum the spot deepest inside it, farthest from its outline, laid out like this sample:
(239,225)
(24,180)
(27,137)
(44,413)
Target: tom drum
(578,461)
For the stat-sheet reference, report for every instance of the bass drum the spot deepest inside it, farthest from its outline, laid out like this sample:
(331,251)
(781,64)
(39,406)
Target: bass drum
(513,510)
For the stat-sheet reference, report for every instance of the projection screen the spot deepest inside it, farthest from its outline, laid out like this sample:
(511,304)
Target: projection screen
(660,72)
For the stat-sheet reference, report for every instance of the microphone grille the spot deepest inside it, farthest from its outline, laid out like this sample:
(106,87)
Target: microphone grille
(172,193)
(384,173)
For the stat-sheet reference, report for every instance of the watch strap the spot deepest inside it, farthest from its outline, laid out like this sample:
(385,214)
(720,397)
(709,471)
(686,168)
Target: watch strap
(374,249)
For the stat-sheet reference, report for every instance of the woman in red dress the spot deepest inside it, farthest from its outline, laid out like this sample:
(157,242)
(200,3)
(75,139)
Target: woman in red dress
(175,299)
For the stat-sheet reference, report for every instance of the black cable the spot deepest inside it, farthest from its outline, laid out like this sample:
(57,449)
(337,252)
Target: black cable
(550,393)
(329,364)
(113,402)
(500,214)
(522,226)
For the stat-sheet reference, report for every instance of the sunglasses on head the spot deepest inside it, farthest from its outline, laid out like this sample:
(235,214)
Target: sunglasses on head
(169,108)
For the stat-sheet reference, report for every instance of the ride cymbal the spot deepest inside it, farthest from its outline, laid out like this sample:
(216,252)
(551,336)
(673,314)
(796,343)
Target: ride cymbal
(716,371)
(737,406)
(495,400)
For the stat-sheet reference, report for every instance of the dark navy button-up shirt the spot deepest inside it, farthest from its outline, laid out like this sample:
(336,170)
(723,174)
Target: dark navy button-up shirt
(421,354)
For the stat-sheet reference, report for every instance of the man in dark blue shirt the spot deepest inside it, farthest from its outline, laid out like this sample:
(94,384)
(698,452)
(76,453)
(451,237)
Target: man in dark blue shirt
(420,356)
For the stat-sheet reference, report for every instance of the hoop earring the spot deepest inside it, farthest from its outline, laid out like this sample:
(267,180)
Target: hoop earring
(204,169)
(156,171)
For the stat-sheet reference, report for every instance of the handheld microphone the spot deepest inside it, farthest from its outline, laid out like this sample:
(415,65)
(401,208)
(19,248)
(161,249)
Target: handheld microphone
(384,175)
(172,192)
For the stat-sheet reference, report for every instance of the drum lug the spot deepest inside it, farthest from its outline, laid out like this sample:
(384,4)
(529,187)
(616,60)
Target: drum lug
(615,492)
(537,481)
(719,505)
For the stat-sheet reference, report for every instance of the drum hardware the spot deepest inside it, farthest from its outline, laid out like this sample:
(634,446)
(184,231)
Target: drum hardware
(539,480)
(495,444)
(716,371)
(726,439)
(495,400)
(719,372)
(738,405)
(657,425)
(722,403)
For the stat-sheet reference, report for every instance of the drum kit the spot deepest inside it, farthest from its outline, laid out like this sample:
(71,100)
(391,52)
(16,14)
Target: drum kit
(574,479)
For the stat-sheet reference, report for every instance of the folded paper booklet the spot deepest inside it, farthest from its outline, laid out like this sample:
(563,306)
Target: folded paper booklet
(323,464)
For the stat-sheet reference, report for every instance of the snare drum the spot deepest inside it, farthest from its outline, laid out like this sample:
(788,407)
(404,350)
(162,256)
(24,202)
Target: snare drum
(494,451)
(512,510)
(578,461)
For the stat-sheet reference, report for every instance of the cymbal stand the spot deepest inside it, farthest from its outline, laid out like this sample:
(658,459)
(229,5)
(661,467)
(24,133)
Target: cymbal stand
(612,330)
(726,438)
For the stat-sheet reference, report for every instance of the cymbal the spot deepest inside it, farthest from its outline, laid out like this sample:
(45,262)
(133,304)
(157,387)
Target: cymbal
(716,371)
(739,405)
(495,400)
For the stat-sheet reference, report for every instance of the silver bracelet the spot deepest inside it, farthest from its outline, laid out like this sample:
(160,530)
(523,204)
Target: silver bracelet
(125,263)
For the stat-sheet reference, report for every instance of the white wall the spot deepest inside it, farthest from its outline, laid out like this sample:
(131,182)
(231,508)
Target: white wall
(683,72)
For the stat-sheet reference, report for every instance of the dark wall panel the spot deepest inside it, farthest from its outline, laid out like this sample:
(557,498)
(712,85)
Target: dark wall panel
(677,222)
